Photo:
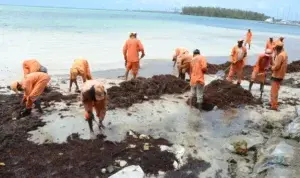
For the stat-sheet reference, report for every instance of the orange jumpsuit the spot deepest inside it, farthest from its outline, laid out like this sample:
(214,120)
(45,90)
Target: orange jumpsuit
(198,68)
(30,66)
(80,67)
(238,59)
(185,63)
(131,50)
(34,85)
(279,70)
(89,104)
(248,38)
(262,63)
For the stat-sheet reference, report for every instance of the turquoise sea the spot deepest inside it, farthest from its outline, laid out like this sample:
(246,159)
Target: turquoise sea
(56,36)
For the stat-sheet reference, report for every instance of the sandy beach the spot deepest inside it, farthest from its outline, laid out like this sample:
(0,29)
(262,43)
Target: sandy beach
(155,134)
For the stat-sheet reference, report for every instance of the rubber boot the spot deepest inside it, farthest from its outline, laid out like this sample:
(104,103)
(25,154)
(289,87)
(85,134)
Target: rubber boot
(261,90)
(25,112)
(250,86)
(101,126)
(37,104)
(90,121)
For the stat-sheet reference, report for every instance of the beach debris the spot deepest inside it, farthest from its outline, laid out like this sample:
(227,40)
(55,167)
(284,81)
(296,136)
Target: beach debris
(146,146)
(2,164)
(131,133)
(103,170)
(142,136)
(293,67)
(110,168)
(240,147)
(175,164)
(224,95)
(130,171)
(131,146)
(293,130)
(143,89)
(60,154)
(122,163)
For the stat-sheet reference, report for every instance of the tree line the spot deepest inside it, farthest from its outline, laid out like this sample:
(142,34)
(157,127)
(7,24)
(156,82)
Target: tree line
(223,12)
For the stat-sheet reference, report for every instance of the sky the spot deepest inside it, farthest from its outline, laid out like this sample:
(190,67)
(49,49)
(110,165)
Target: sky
(276,8)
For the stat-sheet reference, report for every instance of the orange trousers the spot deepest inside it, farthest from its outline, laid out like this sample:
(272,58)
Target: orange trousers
(99,106)
(37,90)
(134,67)
(274,94)
(236,69)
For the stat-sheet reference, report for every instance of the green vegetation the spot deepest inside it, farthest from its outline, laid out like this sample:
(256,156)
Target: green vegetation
(222,12)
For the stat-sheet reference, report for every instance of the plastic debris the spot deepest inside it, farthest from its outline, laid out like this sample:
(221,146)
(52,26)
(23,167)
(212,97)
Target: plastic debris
(142,136)
(2,164)
(130,171)
(146,146)
(241,147)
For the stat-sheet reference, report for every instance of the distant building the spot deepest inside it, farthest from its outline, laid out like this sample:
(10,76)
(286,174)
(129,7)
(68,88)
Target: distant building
(270,20)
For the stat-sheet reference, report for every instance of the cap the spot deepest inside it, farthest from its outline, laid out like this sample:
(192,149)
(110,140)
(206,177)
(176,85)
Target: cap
(279,44)
(14,86)
(281,38)
(100,92)
(268,52)
(196,51)
(132,33)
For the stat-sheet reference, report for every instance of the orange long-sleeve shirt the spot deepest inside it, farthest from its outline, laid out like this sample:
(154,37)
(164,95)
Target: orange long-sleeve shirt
(198,68)
(82,66)
(280,65)
(238,55)
(270,45)
(131,49)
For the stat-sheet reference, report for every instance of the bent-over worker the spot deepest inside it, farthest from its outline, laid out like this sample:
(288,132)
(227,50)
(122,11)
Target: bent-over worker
(33,86)
(178,52)
(248,38)
(94,96)
(183,64)
(81,68)
(198,69)
(279,69)
(238,59)
(131,50)
(32,65)
(259,70)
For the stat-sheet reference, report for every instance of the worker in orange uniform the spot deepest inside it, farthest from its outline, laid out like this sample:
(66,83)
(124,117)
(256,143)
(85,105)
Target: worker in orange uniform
(238,59)
(178,52)
(94,96)
(198,69)
(32,65)
(248,38)
(33,86)
(270,44)
(279,69)
(81,68)
(131,50)
(259,70)
(183,65)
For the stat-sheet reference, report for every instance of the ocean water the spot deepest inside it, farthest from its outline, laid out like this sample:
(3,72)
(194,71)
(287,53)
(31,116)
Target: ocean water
(56,36)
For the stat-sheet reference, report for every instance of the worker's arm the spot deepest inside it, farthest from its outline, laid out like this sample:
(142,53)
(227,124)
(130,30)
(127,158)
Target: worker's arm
(245,52)
(203,65)
(125,48)
(277,63)
(233,55)
(141,49)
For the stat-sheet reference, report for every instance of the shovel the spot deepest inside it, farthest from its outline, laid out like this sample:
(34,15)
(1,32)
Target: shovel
(221,73)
